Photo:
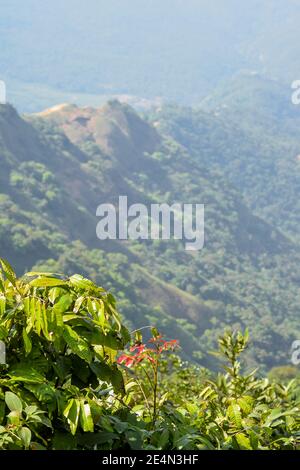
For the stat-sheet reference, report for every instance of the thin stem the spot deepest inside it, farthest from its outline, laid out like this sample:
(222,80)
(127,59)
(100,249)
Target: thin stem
(144,395)
(155,392)
(148,377)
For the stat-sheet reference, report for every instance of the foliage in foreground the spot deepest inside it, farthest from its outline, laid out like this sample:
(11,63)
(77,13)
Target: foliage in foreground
(64,384)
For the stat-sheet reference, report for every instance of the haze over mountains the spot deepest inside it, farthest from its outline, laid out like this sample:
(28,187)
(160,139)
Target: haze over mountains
(175,50)
(230,141)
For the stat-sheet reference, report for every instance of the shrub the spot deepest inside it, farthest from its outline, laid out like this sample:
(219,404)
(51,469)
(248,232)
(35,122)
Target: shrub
(62,336)
(68,383)
(230,410)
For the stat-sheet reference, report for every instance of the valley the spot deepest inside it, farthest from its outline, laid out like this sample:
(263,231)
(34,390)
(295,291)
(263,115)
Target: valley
(247,274)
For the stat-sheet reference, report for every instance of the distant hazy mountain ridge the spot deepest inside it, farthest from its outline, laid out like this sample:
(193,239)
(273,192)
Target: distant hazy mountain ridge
(140,50)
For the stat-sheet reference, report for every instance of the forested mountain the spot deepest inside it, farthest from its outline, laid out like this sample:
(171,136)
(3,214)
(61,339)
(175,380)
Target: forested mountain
(249,130)
(149,228)
(59,165)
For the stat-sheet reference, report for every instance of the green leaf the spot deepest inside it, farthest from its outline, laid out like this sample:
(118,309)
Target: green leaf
(3,333)
(8,271)
(243,441)
(70,317)
(110,340)
(37,305)
(64,441)
(234,414)
(246,403)
(47,282)
(96,309)
(206,443)
(13,402)
(2,305)
(278,413)
(163,439)
(36,273)
(14,418)
(110,374)
(63,304)
(155,332)
(71,413)
(125,335)
(45,393)
(2,411)
(27,342)
(25,373)
(86,419)
(29,410)
(45,322)
(78,345)
(78,304)
(80,282)
(54,293)
(25,435)
(254,439)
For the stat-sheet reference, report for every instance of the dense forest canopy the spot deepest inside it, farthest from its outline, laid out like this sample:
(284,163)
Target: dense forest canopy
(59,165)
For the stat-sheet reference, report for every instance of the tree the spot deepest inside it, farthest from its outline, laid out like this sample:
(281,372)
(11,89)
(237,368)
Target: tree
(62,336)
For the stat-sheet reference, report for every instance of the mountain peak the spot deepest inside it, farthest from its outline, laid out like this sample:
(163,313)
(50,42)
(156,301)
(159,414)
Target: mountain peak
(115,127)
(63,107)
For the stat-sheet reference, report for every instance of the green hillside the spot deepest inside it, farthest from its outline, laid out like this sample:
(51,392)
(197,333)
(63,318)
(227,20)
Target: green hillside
(58,166)
(248,130)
